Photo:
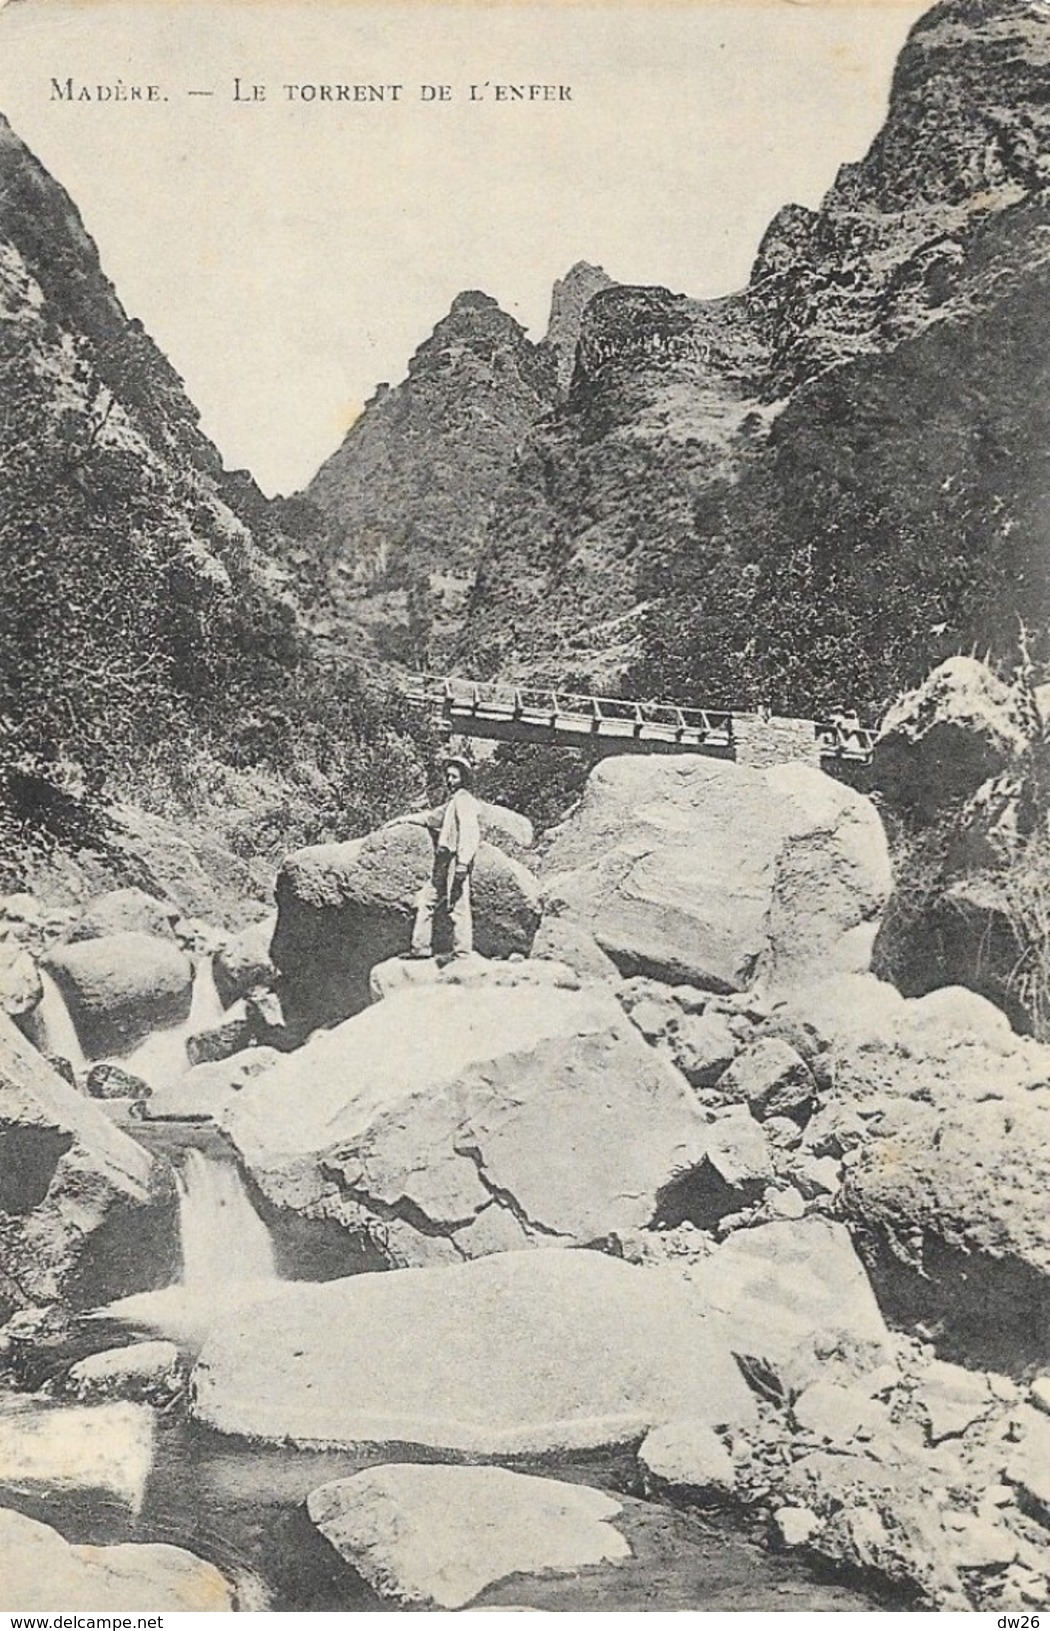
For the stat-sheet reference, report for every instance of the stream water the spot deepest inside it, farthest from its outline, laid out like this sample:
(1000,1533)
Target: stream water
(161,1058)
(222,1237)
(241,1506)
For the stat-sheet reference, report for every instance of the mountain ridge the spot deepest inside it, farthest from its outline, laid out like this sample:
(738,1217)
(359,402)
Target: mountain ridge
(643,484)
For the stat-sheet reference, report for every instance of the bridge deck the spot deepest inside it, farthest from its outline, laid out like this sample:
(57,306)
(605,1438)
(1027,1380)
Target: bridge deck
(529,714)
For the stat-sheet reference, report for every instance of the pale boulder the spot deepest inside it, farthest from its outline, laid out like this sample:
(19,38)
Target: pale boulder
(838,1413)
(794,1526)
(789,1295)
(119,987)
(703,1047)
(508,829)
(69,1181)
(203,1091)
(452,1121)
(658,866)
(427,1537)
(772,1079)
(947,1170)
(689,1458)
(520,1354)
(738,1150)
(42,1573)
(342,908)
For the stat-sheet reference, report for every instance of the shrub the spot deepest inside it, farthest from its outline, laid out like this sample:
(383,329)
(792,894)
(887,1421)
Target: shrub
(542,782)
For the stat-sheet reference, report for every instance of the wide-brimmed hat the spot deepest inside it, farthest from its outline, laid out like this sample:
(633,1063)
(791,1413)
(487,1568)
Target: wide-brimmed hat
(464,766)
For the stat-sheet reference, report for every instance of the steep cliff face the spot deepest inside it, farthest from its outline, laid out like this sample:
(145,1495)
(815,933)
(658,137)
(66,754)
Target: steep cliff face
(407,496)
(52,277)
(664,405)
(134,586)
(838,471)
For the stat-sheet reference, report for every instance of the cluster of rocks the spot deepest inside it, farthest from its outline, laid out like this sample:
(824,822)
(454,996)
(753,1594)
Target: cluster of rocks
(962,765)
(667,1170)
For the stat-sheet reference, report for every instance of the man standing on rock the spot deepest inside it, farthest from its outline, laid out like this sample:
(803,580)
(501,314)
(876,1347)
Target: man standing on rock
(456,830)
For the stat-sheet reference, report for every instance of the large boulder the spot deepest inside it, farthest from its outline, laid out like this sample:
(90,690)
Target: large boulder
(939,743)
(341,908)
(242,961)
(77,1210)
(946,1191)
(525,1353)
(790,1295)
(42,1573)
(122,911)
(452,1121)
(119,987)
(508,829)
(658,864)
(687,1456)
(435,1537)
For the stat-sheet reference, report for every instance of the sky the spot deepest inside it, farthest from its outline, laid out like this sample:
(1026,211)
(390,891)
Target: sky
(290,252)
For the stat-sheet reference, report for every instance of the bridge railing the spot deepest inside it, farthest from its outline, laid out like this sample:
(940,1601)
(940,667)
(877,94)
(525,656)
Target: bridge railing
(579,713)
(536,704)
(841,740)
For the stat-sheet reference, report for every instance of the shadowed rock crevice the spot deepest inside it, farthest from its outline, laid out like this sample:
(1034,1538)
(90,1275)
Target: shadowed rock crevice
(978,1312)
(406,1210)
(702,1197)
(29,1158)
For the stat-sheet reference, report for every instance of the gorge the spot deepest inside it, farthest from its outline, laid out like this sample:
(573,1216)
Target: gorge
(695,1225)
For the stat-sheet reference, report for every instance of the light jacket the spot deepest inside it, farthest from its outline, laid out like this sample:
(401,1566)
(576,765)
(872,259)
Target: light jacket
(460,829)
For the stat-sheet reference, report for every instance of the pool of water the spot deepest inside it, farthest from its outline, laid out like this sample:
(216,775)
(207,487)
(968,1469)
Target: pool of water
(242,1507)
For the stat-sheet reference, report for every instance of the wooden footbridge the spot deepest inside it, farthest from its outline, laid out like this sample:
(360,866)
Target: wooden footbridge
(509,713)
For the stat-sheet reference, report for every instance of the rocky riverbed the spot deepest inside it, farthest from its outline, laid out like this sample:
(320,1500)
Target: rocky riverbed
(667,1210)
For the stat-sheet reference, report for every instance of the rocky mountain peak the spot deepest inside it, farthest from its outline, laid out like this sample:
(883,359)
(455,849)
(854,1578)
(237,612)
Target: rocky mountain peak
(475,325)
(968,109)
(408,495)
(569,297)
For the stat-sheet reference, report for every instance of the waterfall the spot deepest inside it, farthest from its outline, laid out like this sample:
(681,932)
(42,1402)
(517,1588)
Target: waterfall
(55,1032)
(206,1006)
(161,1058)
(227,1258)
(223,1238)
